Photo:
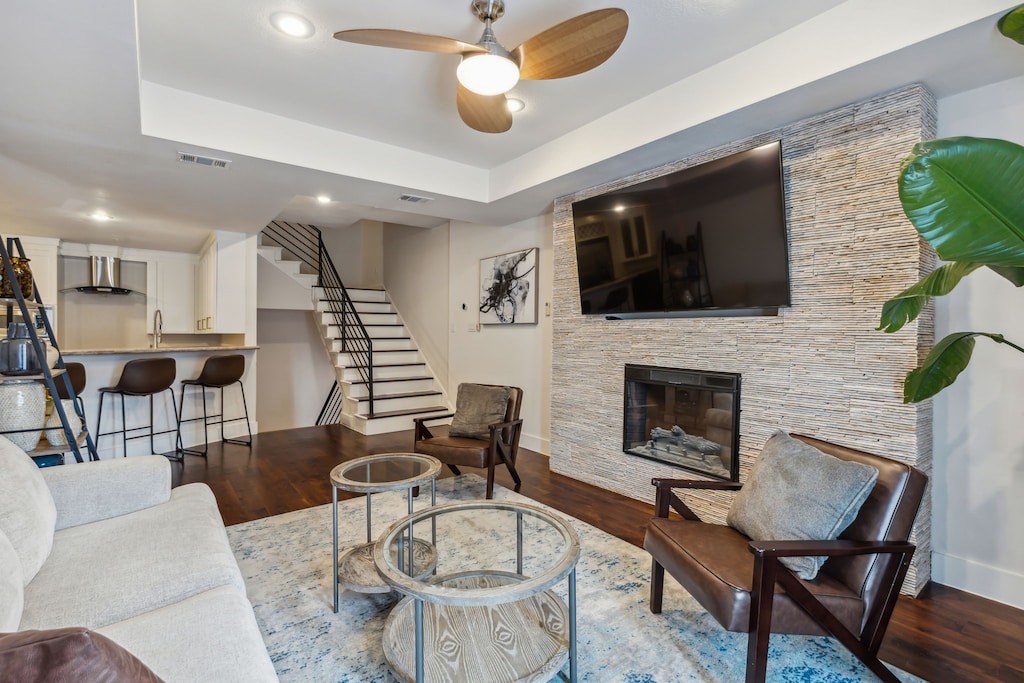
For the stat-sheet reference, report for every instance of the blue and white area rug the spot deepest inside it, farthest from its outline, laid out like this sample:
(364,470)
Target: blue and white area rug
(286,562)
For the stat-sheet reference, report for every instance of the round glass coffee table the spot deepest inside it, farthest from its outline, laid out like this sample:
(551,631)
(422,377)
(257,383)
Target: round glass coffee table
(373,474)
(488,613)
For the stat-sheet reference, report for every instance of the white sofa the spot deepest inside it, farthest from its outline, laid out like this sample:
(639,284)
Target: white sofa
(109,546)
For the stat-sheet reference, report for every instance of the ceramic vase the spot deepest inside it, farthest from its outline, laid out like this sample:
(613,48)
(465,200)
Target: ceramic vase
(55,430)
(22,406)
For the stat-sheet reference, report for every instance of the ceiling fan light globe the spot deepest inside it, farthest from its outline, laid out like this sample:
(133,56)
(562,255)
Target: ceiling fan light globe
(487,74)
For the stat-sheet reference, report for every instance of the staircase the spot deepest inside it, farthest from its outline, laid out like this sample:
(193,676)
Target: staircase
(382,381)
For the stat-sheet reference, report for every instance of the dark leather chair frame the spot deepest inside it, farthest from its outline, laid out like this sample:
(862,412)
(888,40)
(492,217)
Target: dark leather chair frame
(501,447)
(851,599)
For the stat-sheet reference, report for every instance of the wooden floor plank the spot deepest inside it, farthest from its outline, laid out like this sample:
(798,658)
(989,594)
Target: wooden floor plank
(945,635)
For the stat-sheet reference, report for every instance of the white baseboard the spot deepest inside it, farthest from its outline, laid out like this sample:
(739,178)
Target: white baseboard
(994,583)
(535,443)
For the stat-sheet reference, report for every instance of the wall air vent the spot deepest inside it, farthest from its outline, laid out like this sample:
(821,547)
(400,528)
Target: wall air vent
(415,199)
(188,158)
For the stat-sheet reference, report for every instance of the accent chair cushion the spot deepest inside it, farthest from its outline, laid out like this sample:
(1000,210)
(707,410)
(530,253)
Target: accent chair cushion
(69,654)
(796,492)
(476,407)
(12,590)
(27,511)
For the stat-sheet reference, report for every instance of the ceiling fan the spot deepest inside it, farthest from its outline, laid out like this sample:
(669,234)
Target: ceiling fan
(488,70)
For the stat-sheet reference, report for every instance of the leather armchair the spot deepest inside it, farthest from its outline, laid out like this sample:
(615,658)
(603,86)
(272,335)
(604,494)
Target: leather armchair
(743,585)
(501,448)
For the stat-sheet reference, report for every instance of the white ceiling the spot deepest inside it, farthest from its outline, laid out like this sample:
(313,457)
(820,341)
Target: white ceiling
(97,98)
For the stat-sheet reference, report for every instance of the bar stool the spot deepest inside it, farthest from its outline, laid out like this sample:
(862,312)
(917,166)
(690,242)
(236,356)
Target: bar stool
(141,377)
(218,372)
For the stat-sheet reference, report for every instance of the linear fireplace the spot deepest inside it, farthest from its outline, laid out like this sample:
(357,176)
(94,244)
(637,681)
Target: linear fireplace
(686,418)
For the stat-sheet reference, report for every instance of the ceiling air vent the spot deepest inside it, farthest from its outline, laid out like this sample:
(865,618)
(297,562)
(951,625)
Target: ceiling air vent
(415,199)
(187,158)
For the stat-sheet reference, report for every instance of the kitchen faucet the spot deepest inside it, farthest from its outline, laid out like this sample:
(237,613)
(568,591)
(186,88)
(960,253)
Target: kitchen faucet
(158,328)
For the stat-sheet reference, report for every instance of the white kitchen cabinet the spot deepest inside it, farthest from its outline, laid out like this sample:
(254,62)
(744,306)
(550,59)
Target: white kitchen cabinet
(220,285)
(170,287)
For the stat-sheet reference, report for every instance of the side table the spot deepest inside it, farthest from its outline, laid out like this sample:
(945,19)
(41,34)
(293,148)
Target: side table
(373,474)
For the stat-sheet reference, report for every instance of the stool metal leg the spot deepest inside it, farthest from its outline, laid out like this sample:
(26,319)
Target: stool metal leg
(124,428)
(245,410)
(99,420)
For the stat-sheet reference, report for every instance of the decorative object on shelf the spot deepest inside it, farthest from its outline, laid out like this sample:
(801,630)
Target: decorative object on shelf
(17,357)
(22,406)
(24,276)
(55,430)
(508,287)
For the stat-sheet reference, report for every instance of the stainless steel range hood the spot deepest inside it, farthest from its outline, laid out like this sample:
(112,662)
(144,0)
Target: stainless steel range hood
(105,276)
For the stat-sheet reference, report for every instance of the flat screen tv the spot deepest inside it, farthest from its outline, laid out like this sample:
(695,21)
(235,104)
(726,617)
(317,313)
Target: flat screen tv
(706,240)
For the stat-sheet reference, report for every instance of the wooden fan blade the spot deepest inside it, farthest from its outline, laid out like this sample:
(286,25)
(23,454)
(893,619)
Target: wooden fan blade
(407,40)
(574,46)
(485,113)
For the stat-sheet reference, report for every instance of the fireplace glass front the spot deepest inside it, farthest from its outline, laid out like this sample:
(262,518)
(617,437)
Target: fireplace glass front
(686,418)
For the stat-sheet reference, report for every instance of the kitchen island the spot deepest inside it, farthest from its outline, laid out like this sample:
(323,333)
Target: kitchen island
(103,368)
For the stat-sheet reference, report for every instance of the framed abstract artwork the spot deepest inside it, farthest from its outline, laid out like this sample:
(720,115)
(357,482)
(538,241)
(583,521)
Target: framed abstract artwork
(508,288)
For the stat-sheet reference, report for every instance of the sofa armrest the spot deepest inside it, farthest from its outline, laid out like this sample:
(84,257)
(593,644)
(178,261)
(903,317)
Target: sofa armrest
(89,492)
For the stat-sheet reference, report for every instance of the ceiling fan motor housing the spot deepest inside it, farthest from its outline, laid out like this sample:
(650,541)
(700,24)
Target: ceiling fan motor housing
(488,9)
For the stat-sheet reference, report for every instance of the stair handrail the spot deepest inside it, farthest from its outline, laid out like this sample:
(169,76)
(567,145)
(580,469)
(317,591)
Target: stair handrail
(305,242)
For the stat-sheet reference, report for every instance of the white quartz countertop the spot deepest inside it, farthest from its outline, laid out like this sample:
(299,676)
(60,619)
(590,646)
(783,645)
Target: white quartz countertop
(163,349)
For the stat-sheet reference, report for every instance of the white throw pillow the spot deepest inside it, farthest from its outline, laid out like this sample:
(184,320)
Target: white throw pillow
(27,512)
(12,590)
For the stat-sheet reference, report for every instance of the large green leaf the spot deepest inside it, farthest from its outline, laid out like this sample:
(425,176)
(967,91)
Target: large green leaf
(943,364)
(964,195)
(907,305)
(1012,24)
(1014,275)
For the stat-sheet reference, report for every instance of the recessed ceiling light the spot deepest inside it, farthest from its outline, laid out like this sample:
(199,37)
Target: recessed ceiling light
(100,217)
(323,199)
(293,25)
(515,104)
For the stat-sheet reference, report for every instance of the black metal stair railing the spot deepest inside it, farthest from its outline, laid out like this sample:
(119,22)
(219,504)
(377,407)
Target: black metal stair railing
(305,242)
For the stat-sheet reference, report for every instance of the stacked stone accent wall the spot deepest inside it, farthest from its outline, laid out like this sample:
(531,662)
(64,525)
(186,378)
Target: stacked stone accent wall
(818,368)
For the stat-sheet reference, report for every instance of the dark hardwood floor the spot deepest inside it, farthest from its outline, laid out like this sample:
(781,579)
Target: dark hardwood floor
(943,635)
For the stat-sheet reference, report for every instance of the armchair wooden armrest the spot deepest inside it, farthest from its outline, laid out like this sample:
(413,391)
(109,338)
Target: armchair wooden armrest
(422,432)
(665,498)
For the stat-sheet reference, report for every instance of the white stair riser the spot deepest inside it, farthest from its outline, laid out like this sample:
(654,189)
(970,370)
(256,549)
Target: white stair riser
(385,372)
(384,404)
(375,331)
(368,319)
(270,253)
(361,307)
(344,359)
(385,388)
(383,425)
(382,344)
(355,294)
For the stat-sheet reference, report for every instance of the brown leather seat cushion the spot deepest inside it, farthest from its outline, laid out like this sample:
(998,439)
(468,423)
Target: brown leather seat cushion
(68,654)
(455,450)
(713,563)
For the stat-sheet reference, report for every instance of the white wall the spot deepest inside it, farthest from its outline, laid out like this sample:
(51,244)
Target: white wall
(978,439)
(416,277)
(519,355)
(293,370)
(345,247)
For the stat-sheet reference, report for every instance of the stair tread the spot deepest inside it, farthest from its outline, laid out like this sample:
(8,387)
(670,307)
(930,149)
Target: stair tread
(383,365)
(410,394)
(392,379)
(411,411)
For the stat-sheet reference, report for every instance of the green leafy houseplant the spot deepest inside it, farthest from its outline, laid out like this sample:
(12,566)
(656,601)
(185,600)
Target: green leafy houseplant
(965,196)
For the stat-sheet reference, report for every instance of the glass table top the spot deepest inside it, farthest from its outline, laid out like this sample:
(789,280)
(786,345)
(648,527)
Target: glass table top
(385,472)
(488,552)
